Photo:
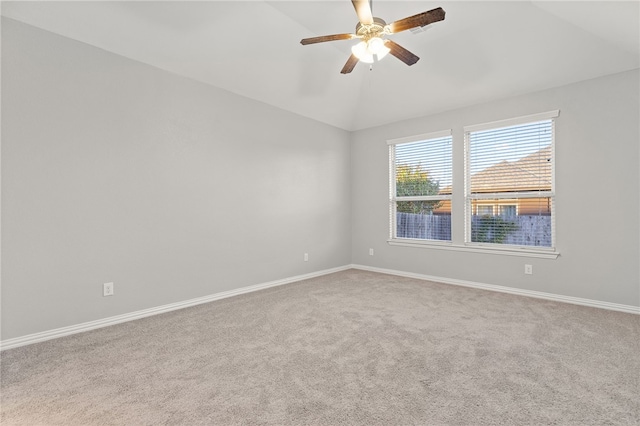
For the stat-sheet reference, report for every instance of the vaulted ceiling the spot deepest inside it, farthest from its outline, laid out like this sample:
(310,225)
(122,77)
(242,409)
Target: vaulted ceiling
(480,52)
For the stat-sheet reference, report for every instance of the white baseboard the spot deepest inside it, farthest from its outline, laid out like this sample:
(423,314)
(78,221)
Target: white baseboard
(529,293)
(92,325)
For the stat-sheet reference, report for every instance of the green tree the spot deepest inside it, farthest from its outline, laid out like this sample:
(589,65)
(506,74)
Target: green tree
(491,229)
(413,180)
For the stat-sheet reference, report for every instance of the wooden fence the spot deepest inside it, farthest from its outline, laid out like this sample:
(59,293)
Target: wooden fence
(423,226)
(529,230)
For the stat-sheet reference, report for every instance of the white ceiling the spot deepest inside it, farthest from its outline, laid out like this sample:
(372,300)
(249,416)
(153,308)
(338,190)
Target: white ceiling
(481,51)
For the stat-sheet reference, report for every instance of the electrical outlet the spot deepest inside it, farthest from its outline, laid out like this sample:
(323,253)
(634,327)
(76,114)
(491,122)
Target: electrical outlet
(528,269)
(370,252)
(107,289)
(306,257)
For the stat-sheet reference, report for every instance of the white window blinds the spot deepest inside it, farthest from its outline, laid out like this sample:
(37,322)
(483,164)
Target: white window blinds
(420,187)
(511,159)
(509,182)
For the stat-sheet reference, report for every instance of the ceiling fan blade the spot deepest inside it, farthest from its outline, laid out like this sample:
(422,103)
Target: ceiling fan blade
(363,10)
(322,39)
(350,65)
(401,53)
(419,20)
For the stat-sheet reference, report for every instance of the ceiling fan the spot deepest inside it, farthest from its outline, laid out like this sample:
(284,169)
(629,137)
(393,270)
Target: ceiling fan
(370,30)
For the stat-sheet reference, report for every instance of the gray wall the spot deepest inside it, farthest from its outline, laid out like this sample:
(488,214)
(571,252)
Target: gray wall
(116,171)
(597,188)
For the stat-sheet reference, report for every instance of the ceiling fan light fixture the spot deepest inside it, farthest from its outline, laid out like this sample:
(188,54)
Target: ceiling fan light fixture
(375,45)
(362,52)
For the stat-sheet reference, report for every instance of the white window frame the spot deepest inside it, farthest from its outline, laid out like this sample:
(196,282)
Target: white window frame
(393,198)
(458,223)
(469,198)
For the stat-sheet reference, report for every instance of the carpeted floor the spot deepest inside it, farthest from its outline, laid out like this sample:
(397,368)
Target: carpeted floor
(351,348)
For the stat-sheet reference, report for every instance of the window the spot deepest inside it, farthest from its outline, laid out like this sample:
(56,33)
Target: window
(484,210)
(509,184)
(507,210)
(420,187)
(493,207)
(503,176)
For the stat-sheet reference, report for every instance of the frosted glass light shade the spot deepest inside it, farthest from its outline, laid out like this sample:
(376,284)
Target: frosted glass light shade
(383,52)
(361,52)
(375,45)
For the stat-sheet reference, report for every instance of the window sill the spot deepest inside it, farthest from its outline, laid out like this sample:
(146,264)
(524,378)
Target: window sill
(540,253)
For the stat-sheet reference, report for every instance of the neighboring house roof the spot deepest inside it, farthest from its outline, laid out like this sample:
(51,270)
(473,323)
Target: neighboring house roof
(530,173)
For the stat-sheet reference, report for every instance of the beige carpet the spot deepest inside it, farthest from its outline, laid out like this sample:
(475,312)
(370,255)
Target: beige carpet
(351,348)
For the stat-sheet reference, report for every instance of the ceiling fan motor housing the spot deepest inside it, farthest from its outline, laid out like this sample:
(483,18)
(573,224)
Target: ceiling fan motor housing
(368,31)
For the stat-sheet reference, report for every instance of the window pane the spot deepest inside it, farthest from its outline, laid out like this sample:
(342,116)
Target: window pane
(433,226)
(423,168)
(484,210)
(511,159)
(507,210)
(531,228)
(511,162)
